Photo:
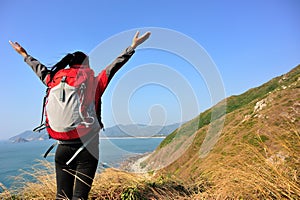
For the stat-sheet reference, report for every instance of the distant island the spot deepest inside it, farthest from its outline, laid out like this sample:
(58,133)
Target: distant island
(28,136)
(132,130)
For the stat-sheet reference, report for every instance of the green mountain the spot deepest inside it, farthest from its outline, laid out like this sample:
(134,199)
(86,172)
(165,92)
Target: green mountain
(245,147)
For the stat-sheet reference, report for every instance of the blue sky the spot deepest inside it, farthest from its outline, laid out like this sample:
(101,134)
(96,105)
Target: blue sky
(249,42)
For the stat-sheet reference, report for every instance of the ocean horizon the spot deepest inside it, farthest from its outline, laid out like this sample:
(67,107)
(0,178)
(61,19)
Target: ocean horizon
(15,158)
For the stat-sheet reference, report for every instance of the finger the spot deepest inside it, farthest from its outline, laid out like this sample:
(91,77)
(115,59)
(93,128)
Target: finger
(11,43)
(146,35)
(17,44)
(137,34)
(14,44)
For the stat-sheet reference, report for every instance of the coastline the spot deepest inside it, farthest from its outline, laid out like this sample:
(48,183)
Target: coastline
(133,163)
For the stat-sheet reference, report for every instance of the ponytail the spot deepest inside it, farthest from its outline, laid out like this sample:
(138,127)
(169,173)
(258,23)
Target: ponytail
(76,58)
(63,63)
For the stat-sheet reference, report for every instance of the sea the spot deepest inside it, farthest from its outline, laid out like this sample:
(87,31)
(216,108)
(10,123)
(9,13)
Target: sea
(15,158)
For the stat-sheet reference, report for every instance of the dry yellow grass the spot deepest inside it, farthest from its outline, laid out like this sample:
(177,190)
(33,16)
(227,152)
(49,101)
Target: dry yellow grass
(111,184)
(42,188)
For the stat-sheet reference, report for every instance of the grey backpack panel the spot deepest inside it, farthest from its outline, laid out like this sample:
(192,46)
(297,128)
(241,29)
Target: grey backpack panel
(63,108)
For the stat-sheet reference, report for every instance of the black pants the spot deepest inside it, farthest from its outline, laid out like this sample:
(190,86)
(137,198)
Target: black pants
(74,181)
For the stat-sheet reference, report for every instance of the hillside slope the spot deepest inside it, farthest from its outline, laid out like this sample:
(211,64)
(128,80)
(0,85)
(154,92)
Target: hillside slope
(254,151)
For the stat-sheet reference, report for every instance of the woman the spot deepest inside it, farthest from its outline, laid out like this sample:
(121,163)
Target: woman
(74,180)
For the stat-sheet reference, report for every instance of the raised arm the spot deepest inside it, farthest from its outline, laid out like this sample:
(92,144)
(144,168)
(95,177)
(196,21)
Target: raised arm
(106,75)
(125,55)
(40,69)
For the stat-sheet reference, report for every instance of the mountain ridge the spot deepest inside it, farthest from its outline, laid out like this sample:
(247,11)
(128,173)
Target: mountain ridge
(255,155)
(131,130)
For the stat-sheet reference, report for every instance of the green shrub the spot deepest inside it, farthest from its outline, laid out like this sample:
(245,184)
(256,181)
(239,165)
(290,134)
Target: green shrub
(131,193)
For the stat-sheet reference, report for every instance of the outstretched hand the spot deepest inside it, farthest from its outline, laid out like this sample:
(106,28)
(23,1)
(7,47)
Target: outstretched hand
(136,41)
(18,48)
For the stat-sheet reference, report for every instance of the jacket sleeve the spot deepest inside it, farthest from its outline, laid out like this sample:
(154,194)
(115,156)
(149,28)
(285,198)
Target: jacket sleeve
(40,70)
(106,75)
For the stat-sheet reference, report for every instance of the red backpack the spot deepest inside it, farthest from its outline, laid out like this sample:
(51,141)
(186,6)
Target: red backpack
(69,104)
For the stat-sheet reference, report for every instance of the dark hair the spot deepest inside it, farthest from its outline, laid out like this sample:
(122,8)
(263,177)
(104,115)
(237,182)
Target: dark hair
(76,58)
(79,58)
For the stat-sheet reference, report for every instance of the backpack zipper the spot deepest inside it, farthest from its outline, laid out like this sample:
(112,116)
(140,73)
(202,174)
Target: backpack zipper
(62,89)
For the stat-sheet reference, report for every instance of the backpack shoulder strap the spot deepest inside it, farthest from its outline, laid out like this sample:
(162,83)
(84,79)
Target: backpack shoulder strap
(42,124)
